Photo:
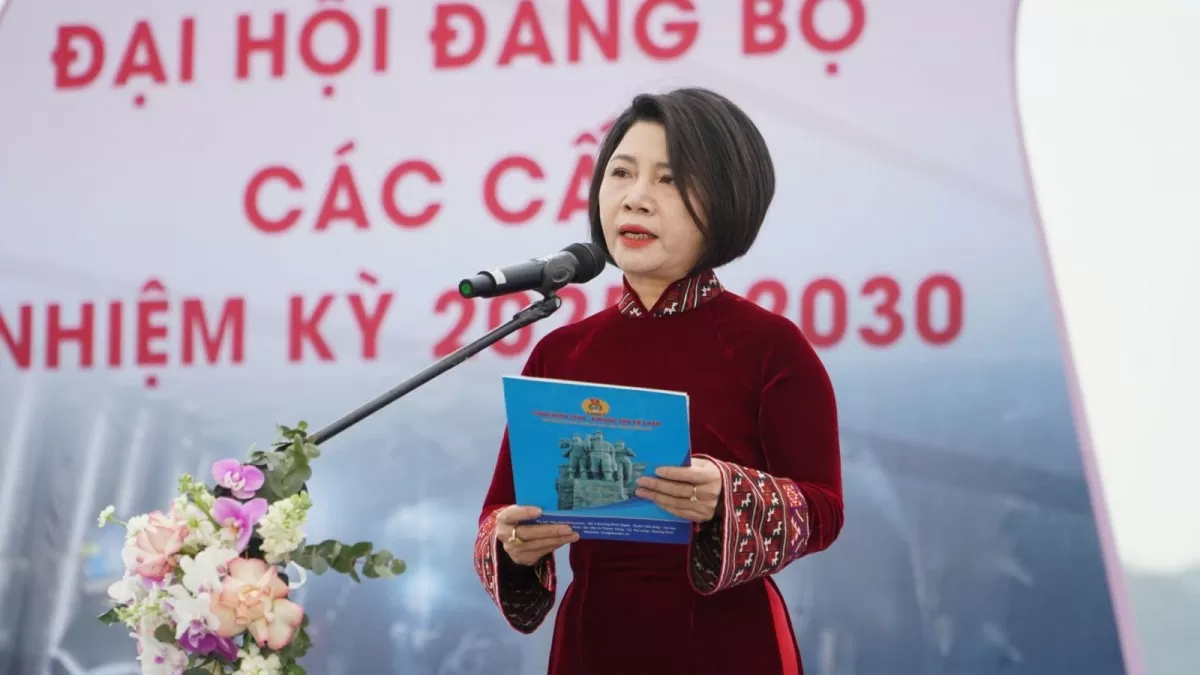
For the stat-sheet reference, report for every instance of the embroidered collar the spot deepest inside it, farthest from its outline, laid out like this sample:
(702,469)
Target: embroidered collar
(683,295)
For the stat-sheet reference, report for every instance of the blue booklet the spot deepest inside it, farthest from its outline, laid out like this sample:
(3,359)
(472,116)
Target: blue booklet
(578,448)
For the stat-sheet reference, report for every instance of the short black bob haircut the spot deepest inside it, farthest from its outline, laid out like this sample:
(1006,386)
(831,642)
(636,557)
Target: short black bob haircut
(719,162)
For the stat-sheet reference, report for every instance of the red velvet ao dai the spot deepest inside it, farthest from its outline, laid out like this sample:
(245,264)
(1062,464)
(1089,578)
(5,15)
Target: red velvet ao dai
(763,410)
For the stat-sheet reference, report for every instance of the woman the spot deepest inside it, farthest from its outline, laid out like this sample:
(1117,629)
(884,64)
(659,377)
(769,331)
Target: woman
(682,185)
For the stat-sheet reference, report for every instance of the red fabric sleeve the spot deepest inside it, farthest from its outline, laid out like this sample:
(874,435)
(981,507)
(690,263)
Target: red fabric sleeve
(768,518)
(524,594)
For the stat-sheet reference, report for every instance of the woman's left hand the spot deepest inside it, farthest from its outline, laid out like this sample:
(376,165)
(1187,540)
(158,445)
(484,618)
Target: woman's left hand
(689,492)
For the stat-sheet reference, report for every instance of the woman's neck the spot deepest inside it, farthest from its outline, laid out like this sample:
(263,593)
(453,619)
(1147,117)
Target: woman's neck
(648,290)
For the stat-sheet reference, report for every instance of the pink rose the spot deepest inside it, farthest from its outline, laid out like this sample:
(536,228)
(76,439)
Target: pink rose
(254,598)
(155,550)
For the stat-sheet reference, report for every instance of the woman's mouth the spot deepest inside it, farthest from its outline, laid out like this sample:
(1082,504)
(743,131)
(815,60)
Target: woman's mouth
(635,234)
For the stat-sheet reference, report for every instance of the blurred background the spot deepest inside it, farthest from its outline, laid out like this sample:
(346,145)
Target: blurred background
(216,218)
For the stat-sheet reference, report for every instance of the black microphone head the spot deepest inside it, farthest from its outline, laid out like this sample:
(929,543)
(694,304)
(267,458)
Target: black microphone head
(590,258)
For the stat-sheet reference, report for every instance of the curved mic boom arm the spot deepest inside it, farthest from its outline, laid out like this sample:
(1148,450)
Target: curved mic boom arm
(535,312)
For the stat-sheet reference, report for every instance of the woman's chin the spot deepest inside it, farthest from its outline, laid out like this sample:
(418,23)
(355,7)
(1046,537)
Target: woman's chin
(637,268)
(638,261)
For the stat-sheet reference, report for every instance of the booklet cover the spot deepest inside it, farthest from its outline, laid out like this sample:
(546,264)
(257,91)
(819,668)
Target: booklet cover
(578,448)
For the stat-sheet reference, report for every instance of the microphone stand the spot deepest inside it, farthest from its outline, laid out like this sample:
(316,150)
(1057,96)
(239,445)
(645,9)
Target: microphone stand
(533,313)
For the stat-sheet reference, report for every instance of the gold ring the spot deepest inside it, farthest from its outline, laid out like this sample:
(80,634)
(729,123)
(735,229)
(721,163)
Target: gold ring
(693,493)
(514,539)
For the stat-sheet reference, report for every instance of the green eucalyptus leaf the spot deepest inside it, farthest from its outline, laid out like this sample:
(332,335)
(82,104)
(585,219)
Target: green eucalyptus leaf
(298,647)
(165,634)
(380,559)
(343,564)
(276,484)
(309,557)
(295,480)
(329,549)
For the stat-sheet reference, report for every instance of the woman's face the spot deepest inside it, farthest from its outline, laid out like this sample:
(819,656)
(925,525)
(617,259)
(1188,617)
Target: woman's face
(646,226)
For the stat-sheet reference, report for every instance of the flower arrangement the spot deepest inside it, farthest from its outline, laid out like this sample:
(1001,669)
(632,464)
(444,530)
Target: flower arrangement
(205,590)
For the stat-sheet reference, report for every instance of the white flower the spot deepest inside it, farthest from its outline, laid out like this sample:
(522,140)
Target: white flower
(159,658)
(106,515)
(151,619)
(138,605)
(129,554)
(145,613)
(136,524)
(226,538)
(202,535)
(203,573)
(202,530)
(129,589)
(253,663)
(282,528)
(188,611)
(206,500)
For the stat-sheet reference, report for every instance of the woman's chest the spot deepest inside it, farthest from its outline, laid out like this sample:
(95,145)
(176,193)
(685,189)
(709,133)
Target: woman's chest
(723,401)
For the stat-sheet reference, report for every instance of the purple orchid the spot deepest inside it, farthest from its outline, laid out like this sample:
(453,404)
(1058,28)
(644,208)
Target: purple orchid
(239,517)
(197,640)
(243,479)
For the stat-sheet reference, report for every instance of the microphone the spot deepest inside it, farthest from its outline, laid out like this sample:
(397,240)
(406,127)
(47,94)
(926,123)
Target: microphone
(577,263)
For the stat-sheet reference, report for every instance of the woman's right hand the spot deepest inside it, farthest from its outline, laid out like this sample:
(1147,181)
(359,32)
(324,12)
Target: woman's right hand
(527,544)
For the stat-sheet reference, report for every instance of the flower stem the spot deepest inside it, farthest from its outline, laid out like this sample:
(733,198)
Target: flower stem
(204,509)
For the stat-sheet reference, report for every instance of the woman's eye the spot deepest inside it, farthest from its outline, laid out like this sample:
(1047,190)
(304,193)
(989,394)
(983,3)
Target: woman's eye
(669,180)
(619,172)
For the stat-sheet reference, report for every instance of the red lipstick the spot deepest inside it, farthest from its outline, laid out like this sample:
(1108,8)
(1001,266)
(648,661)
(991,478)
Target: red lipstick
(635,236)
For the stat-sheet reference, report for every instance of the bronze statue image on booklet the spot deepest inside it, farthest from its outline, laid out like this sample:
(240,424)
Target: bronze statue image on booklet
(598,472)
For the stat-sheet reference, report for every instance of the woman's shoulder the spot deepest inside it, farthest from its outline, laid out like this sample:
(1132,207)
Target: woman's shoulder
(758,321)
(771,340)
(573,331)
(569,338)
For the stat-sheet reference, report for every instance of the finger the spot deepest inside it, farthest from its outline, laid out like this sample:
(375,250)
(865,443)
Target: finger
(667,487)
(702,492)
(667,501)
(532,533)
(545,546)
(684,508)
(688,514)
(682,474)
(513,515)
(532,552)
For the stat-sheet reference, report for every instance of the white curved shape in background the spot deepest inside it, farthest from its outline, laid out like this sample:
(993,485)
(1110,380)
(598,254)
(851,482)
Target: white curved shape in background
(1109,107)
